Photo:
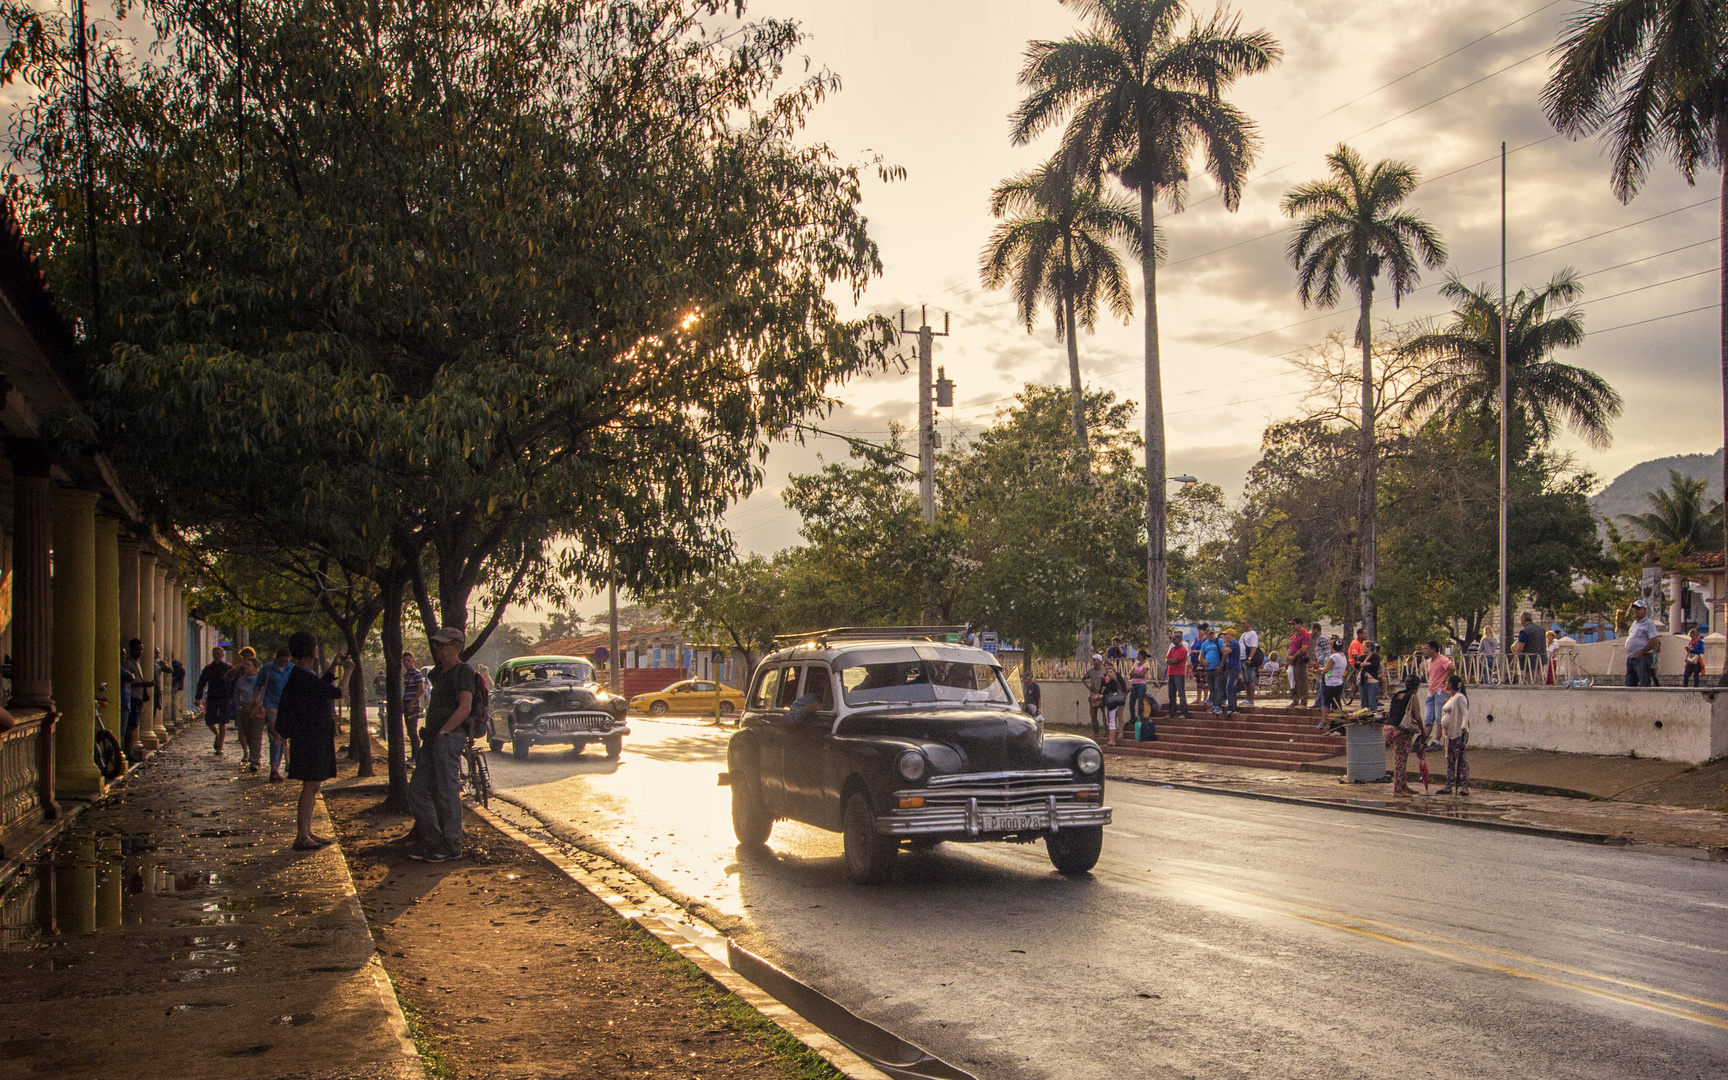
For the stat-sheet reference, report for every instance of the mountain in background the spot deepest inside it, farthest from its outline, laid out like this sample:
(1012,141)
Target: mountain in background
(1625,495)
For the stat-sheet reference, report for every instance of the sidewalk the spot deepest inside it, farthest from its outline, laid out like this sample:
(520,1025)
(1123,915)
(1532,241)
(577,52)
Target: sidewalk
(1602,817)
(173,932)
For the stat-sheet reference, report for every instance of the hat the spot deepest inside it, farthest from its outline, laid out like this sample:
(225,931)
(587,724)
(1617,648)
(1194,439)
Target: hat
(1097,656)
(1638,603)
(447,635)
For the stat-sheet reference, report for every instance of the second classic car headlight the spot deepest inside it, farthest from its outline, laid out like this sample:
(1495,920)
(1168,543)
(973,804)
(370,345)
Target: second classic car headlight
(912,765)
(1089,760)
(524,707)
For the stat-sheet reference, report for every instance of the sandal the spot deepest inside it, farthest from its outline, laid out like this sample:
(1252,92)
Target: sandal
(307,845)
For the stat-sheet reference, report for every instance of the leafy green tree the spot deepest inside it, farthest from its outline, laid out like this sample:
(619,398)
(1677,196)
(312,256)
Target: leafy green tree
(1146,98)
(740,603)
(561,624)
(1679,515)
(1350,232)
(1653,76)
(1466,361)
(1057,248)
(442,286)
(1271,596)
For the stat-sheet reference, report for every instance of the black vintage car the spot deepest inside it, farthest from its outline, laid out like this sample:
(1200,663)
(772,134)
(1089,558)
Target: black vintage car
(907,739)
(554,699)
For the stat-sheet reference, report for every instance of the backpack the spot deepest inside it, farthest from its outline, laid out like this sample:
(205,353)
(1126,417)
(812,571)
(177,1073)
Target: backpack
(479,710)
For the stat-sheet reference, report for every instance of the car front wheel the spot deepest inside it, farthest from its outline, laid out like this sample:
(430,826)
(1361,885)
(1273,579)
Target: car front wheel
(750,821)
(726,708)
(1075,850)
(869,854)
(614,745)
(519,749)
(496,744)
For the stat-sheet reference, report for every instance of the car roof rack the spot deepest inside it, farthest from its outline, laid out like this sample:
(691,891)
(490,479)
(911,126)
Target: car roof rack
(836,634)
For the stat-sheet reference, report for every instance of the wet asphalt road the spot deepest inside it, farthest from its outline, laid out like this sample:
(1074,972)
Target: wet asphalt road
(1219,937)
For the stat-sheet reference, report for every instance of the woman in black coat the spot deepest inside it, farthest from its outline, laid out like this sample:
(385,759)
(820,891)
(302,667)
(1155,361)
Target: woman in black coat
(306,717)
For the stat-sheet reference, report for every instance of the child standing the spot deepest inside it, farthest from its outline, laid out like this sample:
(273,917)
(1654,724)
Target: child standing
(1455,725)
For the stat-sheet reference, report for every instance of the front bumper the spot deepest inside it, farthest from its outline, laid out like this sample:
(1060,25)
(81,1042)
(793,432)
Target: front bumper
(994,805)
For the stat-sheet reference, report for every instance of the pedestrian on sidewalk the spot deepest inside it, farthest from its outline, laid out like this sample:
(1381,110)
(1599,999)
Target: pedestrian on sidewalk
(1337,670)
(1116,651)
(1297,655)
(1233,663)
(1694,670)
(413,703)
(1455,722)
(1322,652)
(1175,672)
(306,718)
(1212,651)
(137,693)
(1115,691)
(1643,643)
(434,791)
(274,678)
(1094,680)
(249,710)
(1030,692)
(1138,675)
(1404,728)
(1253,658)
(1439,671)
(1529,648)
(216,690)
(1371,678)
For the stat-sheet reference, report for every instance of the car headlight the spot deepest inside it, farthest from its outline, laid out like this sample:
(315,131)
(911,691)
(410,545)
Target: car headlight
(524,707)
(1089,760)
(912,765)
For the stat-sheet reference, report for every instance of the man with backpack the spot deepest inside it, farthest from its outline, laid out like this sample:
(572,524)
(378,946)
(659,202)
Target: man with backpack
(434,791)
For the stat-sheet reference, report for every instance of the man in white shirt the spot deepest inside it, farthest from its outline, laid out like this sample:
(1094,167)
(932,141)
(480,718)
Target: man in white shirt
(1643,642)
(1252,657)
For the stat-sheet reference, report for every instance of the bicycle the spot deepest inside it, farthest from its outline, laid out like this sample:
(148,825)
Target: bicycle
(110,760)
(476,777)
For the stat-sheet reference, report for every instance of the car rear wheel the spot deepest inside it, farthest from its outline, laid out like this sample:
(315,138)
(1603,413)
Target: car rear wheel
(657,709)
(497,745)
(614,745)
(519,749)
(1075,850)
(726,708)
(869,854)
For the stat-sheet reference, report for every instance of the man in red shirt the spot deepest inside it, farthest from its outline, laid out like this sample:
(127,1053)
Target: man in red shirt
(1439,670)
(1298,656)
(1175,670)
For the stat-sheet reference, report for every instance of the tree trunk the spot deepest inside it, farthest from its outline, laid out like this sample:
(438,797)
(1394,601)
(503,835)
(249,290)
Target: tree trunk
(1369,508)
(1157,571)
(1073,345)
(396,740)
(1722,254)
(359,731)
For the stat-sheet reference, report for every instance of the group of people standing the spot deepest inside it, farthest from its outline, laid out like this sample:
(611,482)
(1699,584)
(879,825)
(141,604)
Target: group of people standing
(1442,721)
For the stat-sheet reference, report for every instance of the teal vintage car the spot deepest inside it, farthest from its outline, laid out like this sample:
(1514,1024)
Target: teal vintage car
(554,699)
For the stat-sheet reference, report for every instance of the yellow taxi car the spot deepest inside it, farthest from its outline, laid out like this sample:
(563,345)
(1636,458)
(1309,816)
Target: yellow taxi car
(690,696)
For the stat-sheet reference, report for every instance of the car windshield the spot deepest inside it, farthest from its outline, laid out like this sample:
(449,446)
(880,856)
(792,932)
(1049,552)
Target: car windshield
(564,670)
(921,674)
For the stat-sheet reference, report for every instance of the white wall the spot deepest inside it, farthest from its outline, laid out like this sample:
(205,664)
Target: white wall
(1672,724)
(1607,659)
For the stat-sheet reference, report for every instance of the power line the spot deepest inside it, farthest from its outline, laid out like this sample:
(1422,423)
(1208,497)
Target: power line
(1652,285)
(1658,318)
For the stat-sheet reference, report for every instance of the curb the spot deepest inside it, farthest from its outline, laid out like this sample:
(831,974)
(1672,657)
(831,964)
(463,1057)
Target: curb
(820,1042)
(1322,804)
(1490,785)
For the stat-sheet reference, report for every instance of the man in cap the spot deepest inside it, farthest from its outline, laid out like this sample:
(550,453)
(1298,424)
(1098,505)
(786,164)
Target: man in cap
(1094,680)
(434,791)
(1643,642)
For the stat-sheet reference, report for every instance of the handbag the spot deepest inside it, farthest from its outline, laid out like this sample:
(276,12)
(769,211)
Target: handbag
(1115,701)
(256,712)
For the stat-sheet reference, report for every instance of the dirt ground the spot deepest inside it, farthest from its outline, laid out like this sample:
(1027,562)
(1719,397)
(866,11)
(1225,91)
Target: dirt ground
(507,969)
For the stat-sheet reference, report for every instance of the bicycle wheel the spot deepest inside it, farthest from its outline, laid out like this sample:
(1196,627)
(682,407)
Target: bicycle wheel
(110,761)
(479,778)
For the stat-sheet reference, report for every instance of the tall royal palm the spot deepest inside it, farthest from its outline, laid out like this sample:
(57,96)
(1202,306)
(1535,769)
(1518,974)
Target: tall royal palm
(1145,98)
(1545,393)
(1057,248)
(1349,232)
(1653,75)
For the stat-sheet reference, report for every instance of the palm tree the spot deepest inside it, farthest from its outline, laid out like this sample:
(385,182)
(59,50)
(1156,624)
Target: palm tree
(1678,515)
(1653,75)
(1544,392)
(1145,100)
(1058,249)
(1351,231)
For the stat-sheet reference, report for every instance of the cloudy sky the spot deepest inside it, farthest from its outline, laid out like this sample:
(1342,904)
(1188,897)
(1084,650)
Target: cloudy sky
(929,85)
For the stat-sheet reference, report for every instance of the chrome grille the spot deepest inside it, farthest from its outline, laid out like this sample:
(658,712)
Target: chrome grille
(573,723)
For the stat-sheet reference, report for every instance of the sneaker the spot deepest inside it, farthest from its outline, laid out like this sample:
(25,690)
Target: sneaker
(252,767)
(426,856)
(275,778)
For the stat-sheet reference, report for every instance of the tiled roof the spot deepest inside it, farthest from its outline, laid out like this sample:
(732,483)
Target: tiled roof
(584,646)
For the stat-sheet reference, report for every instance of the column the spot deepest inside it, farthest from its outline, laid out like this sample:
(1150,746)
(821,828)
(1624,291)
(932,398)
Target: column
(106,647)
(130,624)
(177,634)
(163,683)
(149,733)
(33,593)
(74,662)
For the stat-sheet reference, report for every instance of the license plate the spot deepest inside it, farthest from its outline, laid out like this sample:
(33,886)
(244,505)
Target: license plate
(1013,822)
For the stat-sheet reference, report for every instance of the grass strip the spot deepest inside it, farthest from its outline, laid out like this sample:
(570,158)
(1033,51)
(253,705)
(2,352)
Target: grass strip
(795,1060)
(438,1067)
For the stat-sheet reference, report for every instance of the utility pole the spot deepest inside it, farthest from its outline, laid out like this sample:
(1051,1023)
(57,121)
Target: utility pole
(612,657)
(926,409)
(1505,408)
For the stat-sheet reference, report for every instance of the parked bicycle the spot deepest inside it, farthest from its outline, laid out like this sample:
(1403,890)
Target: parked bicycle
(476,777)
(110,759)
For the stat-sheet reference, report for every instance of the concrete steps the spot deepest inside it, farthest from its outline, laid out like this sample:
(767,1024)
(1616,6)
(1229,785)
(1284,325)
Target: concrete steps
(1266,737)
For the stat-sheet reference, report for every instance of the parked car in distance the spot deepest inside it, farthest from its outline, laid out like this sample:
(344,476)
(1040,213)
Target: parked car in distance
(690,696)
(907,739)
(553,699)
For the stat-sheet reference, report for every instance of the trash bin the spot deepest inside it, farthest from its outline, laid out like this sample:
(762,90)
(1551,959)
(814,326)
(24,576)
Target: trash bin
(1365,754)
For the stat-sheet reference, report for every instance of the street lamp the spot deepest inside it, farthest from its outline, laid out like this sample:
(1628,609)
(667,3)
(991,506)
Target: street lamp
(1183,479)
